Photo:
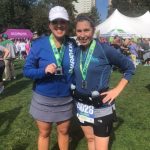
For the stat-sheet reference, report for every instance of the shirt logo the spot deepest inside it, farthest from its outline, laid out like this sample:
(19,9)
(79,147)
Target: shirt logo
(100,121)
(71,57)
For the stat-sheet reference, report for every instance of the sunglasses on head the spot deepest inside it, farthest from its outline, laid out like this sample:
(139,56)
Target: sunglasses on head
(59,21)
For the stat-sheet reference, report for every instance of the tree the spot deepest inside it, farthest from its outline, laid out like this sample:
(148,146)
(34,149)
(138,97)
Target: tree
(39,20)
(32,14)
(14,13)
(132,8)
(95,15)
(44,6)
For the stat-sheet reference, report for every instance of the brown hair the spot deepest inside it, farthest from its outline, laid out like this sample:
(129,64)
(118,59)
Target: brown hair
(84,17)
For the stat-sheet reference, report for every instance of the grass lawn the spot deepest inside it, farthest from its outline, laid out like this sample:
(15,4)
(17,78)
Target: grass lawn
(131,132)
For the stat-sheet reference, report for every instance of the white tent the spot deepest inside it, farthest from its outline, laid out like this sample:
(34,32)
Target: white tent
(119,32)
(139,26)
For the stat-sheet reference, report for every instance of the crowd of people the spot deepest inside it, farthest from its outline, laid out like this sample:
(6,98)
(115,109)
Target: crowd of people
(22,48)
(18,49)
(136,49)
(62,68)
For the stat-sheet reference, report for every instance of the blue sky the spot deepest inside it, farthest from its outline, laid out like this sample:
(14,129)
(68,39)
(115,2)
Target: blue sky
(101,6)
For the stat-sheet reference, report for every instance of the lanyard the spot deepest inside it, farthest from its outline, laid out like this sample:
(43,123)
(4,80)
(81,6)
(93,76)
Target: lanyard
(58,55)
(84,68)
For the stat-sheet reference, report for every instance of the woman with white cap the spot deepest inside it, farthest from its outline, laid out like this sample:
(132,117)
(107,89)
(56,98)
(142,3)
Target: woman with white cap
(50,64)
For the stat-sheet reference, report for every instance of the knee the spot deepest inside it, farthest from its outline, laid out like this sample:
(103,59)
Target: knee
(89,138)
(44,133)
(62,131)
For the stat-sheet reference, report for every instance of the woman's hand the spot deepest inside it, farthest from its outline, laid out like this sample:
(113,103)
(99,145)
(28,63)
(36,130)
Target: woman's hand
(51,68)
(112,94)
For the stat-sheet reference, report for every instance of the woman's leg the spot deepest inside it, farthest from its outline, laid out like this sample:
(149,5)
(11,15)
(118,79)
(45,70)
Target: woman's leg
(102,130)
(89,135)
(63,135)
(44,135)
(101,143)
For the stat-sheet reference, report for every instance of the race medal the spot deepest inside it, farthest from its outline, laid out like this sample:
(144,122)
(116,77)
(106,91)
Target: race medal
(85,113)
(84,84)
(84,66)
(58,55)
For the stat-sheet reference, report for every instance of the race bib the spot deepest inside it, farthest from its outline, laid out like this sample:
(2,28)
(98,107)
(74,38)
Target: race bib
(85,112)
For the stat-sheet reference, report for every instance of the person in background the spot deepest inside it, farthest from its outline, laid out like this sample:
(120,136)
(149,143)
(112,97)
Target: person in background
(94,101)
(145,45)
(3,54)
(9,60)
(22,49)
(50,64)
(102,39)
(27,46)
(117,43)
(18,49)
(133,50)
(35,35)
(124,47)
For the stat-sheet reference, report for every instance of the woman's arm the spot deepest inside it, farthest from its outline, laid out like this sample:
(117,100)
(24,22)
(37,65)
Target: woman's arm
(127,68)
(113,93)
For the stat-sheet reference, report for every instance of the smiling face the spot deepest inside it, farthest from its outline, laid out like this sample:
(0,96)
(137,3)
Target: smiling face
(84,32)
(59,28)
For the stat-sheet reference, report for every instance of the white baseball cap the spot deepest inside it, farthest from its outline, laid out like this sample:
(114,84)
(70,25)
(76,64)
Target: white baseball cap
(58,12)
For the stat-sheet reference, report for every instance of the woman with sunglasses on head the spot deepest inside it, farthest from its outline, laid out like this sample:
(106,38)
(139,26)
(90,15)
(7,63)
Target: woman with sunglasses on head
(50,64)
(95,108)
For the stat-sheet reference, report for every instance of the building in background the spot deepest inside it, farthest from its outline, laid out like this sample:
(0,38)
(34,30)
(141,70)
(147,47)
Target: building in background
(109,2)
(84,6)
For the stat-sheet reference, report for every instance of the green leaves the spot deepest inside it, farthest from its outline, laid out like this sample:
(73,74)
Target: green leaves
(132,8)
(32,14)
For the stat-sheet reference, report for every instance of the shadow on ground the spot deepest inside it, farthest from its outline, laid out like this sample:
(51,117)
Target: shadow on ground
(76,135)
(15,87)
(148,87)
(20,146)
(115,127)
(7,118)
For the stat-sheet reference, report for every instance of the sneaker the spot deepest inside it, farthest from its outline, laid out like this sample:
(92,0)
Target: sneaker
(1,89)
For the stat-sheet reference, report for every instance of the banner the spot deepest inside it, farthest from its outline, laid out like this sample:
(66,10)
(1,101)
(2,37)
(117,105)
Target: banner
(19,33)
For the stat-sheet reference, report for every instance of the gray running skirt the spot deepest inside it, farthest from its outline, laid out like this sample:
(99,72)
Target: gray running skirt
(50,109)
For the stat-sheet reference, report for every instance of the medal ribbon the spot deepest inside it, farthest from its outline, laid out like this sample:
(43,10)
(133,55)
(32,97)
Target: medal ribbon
(84,68)
(58,55)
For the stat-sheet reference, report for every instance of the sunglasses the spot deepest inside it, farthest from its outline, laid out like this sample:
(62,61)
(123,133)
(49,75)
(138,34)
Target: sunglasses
(59,21)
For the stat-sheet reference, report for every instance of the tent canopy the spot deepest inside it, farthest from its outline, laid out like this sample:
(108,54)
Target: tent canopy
(139,26)
(118,32)
(19,33)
